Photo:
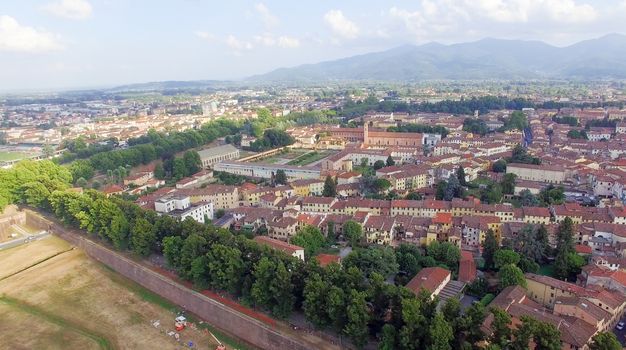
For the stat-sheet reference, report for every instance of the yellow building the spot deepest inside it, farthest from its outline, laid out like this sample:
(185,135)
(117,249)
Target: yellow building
(545,290)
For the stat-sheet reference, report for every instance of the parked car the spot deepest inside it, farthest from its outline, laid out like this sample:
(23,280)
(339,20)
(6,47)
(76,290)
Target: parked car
(620,325)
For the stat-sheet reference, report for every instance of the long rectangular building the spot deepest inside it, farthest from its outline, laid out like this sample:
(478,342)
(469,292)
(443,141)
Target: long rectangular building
(541,173)
(266,171)
(217,154)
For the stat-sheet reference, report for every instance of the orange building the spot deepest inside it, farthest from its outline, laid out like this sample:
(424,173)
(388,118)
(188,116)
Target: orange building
(378,137)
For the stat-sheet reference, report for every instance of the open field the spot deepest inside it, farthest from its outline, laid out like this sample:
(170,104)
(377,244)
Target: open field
(55,297)
(21,258)
(6,156)
(283,158)
(310,157)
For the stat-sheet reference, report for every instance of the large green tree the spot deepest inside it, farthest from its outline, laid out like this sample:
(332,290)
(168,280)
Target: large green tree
(501,326)
(505,257)
(373,259)
(280,178)
(490,246)
(143,237)
(358,318)
(330,187)
(440,333)
(605,341)
(412,334)
(460,174)
(508,183)
(546,336)
(314,305)
(352,232)
(563,265)
(272,287)
(310,238)
(225,267)
(531,243)
(510,275)
(390,161)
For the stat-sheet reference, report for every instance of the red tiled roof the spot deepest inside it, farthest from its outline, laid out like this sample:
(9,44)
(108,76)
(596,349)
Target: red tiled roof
(467,267)
(112,189)
(277,244)
(442,218)
(582,249)
(428,278)
(325,259)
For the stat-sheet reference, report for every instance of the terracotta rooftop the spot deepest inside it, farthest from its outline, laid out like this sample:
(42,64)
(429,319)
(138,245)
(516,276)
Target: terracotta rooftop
(277,244)
(325,259)
(467,267)
(428,278)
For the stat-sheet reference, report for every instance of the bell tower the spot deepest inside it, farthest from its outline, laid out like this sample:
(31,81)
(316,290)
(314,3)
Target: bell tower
(365,133)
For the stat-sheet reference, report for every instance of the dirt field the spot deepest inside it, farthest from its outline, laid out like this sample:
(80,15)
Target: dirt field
(57,298)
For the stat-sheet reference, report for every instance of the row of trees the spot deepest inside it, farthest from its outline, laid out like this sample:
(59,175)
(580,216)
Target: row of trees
(152,146)
(422,128)
(550,195)
(80,149)
(272,138)
(567,120)
(492,193)
(517,120)
(520,155)
(530,248)
(352,299)
(600,123)
(577,134)
(177,168)
(475,126)
(481,104)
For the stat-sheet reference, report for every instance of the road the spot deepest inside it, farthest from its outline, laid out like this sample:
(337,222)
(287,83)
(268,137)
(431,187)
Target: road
(23,240)
(621,335)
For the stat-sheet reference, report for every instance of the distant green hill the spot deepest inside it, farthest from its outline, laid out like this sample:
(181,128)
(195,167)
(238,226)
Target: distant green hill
(600,58)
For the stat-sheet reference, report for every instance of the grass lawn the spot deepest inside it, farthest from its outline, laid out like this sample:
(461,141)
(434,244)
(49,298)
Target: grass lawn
(9,156)
(546,270)
(329,250)
(474,192)
(482,181)
(308,158)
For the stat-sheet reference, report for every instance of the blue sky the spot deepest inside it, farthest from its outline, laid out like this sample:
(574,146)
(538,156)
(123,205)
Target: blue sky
(48,44)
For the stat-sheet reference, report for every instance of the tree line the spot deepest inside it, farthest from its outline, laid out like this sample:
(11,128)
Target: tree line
(353,299)
(422,128)
(154,145)
(483,104)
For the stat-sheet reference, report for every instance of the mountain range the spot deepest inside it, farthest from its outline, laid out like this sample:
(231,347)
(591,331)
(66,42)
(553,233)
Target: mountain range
(600,58)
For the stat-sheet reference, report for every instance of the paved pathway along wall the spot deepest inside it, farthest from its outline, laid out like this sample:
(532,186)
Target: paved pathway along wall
(221,316)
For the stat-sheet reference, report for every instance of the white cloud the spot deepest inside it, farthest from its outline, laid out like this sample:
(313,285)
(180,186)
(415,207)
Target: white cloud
(288,42)
(70,9)
(570,12)
(265,40)
(449,19)
(18,38)
(341,25)
(269,19)
(282,41)
(238,45)
(521,11)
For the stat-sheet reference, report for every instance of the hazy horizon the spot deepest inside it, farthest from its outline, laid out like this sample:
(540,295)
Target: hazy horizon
(73,44)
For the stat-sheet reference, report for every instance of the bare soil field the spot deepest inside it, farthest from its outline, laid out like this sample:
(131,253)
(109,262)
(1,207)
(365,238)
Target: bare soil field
(19,258)
(55,297)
